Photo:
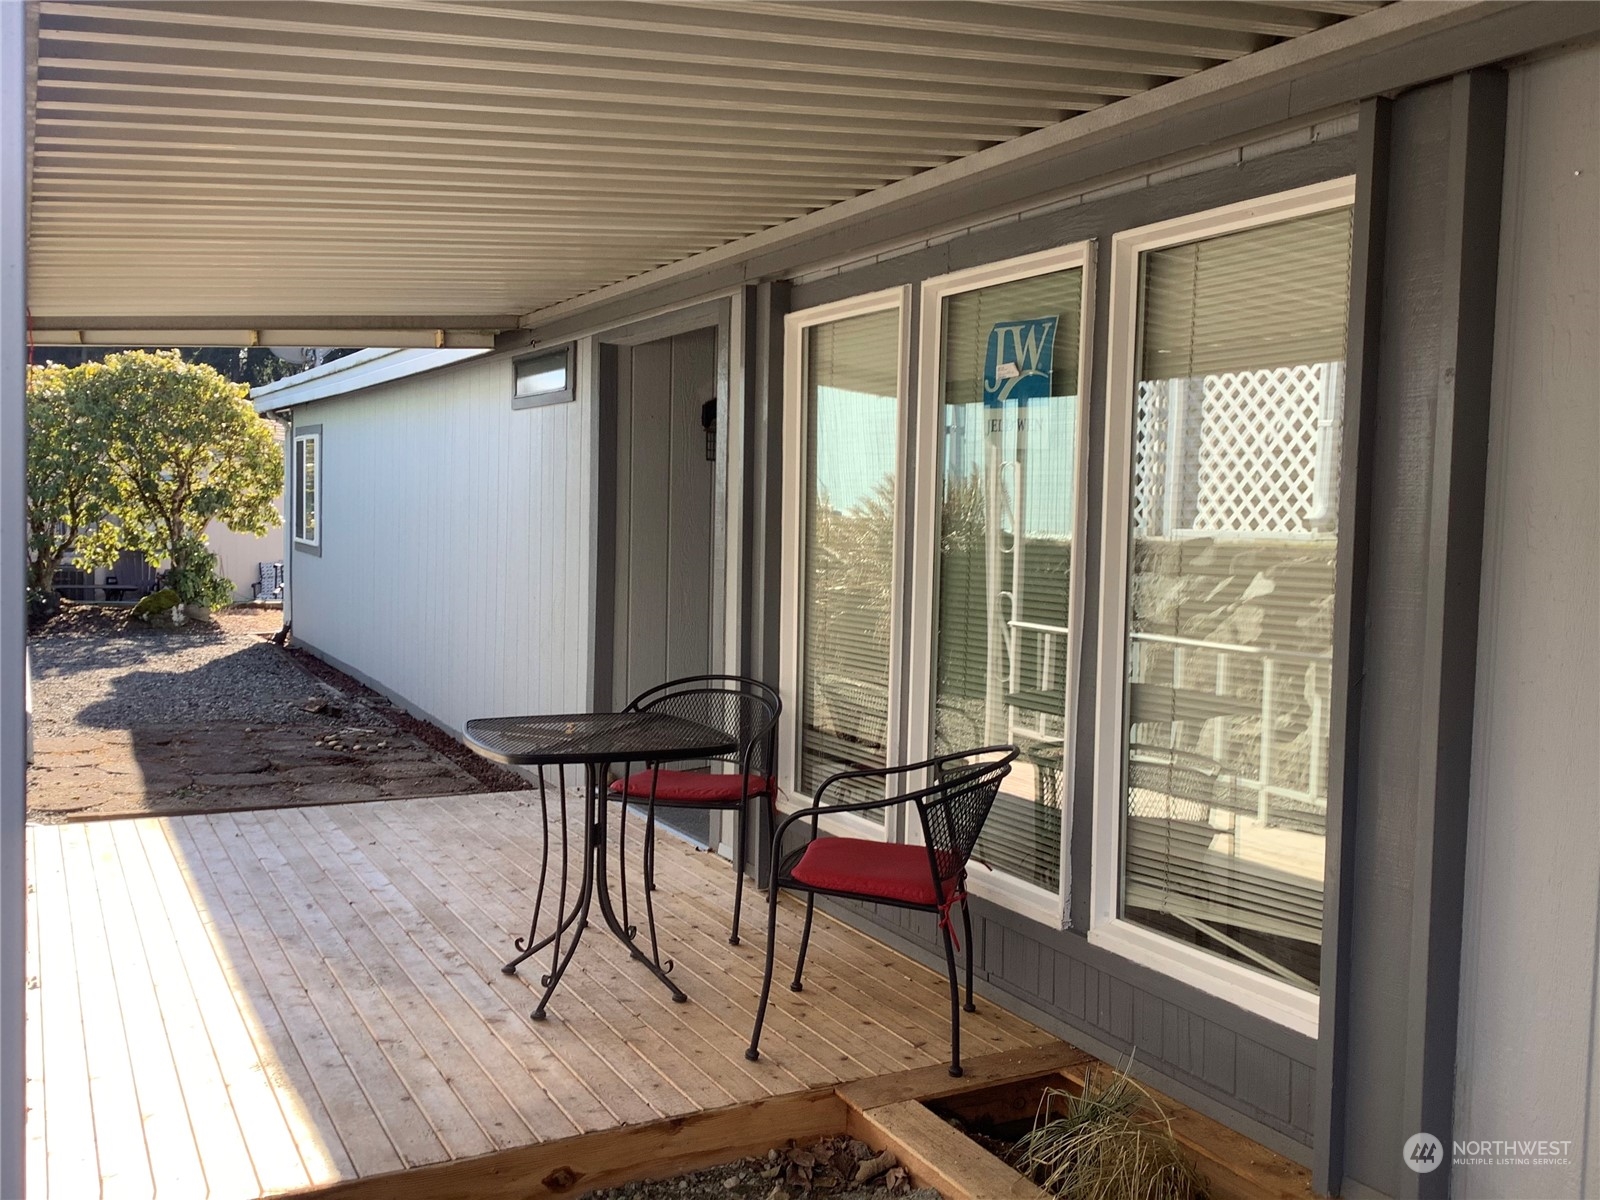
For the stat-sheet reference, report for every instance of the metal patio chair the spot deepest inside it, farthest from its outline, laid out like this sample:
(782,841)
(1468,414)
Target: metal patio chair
(930,877)
(743,706)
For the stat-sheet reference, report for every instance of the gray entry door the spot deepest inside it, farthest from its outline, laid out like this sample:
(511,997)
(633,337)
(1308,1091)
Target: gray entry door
(665,512)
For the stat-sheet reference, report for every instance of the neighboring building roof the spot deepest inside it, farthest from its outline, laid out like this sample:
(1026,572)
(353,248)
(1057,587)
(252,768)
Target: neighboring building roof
(363,369)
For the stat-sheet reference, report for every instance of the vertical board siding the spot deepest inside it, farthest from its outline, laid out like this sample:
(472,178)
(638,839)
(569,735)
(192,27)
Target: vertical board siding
(1529,1011)
(1080,992)
(454,538)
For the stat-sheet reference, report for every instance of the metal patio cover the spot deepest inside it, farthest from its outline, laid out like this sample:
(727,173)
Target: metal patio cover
(430,172)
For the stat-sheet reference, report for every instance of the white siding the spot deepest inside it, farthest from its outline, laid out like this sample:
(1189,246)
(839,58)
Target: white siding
(1528,1033)
(240,555)
(455,544)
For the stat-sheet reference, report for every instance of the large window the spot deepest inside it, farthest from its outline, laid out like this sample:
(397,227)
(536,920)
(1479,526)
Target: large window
(841,585)
(307,488)
(1212,674)
(1219,601)
(1001,420)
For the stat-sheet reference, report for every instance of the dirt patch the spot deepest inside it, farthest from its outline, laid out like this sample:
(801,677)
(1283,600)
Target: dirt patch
(135,721)
(112,620)
(837,1168)
(492,776)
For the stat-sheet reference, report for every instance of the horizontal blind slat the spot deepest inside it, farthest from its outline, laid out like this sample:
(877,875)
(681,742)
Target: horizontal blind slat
(1235,495)
(852,376)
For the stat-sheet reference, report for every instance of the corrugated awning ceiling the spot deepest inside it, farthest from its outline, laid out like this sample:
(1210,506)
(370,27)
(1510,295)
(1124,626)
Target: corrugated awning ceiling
(349,163)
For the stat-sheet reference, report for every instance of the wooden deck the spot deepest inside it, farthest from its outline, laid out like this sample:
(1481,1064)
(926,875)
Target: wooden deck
(248,1003)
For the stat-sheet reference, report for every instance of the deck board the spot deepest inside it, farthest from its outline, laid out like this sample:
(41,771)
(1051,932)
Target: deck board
(247,1003)
(71,1144)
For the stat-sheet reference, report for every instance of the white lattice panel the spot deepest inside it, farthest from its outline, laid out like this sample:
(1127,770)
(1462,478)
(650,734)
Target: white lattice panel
(1150,458)
(1256,452)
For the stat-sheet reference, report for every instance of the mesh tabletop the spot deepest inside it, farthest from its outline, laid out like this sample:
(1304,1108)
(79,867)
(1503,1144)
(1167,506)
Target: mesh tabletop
(641,737)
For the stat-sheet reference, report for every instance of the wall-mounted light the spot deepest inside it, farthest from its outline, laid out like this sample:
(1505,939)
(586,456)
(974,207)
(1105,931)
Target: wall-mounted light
(543,378)
(708,422)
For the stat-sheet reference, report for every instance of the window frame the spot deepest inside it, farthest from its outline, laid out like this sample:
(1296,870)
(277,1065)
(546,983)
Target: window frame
(1247,987)
(562,395)
(1017,895)
(310,434)
(790,647)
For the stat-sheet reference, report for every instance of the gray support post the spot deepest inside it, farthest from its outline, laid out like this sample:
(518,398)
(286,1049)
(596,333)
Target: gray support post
(748,450)
(763,527)
(606,418)
(13,604)
(1470,262)
(1349,624)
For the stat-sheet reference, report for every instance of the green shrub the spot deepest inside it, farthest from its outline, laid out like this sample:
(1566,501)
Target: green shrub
(194,577)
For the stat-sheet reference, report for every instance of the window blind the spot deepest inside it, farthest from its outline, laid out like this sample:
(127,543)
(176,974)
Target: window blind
(1267,297)
(1233,524)
(851,406)
(969,316)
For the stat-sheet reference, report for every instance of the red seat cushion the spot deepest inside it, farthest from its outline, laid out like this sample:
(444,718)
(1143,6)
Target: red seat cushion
(886,870)
(691,787)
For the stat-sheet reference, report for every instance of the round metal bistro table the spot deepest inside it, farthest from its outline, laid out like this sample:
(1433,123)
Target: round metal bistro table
(592,741)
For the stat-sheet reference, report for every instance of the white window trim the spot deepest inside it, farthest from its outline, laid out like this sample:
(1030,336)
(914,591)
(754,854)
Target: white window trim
(1026,899)
(1233,982)
(794,458)
(296,511)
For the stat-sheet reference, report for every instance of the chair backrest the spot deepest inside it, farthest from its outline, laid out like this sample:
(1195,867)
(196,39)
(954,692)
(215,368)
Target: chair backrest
(269,580)
(744,707)
(954,809)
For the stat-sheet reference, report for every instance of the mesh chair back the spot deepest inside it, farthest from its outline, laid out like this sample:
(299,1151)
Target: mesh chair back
(744,707)
(956,806)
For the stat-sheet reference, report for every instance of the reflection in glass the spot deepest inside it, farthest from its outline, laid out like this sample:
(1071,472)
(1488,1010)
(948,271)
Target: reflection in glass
(851,413)
(1234,532)
(1008,457)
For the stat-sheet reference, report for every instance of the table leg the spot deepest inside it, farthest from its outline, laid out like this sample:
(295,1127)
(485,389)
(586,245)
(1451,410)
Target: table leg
(532,944)
(593,823)
(651,961)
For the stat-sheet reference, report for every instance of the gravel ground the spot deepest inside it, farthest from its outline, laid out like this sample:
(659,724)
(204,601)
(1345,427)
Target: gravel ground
(819,1171)
(130,720)
(93,670)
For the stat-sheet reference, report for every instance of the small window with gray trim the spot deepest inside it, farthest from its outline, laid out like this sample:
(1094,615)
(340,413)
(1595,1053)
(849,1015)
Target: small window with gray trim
(307,482)
(543,378)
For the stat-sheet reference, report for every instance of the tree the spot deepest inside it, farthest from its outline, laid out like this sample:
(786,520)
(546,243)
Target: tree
(255,365)
(70,491)
(184,448)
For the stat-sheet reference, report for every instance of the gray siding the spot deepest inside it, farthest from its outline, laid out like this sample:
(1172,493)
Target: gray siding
(1529,1019)
(1385,825)
(455,544)
(1248,1072)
